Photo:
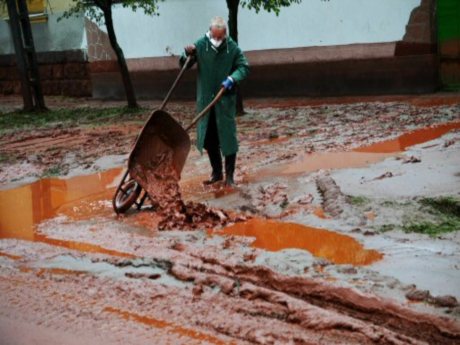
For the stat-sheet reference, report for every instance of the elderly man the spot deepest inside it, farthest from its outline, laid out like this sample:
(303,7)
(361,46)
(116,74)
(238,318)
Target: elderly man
(220,64)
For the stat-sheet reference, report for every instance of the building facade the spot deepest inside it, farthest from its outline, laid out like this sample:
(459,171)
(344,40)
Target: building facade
(316,48)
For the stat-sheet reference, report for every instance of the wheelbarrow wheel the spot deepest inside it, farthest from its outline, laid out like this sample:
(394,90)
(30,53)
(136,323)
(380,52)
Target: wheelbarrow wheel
(126,196)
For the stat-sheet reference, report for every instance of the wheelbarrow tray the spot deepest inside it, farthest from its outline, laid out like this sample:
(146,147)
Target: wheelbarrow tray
(161,138)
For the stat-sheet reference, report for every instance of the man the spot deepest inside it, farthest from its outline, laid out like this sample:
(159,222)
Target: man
(220,64)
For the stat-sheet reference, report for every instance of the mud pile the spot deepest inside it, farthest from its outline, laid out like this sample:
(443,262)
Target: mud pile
(162,185)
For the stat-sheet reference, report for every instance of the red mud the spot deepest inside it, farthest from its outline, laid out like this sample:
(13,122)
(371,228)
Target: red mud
(274,236)
(58,271)
(313,306)
(229,302)
(412,138)
(80,246)
(358,157)
(224,300)
(10,256)
(161,181)
(429,100)
(78,198)
(171,327)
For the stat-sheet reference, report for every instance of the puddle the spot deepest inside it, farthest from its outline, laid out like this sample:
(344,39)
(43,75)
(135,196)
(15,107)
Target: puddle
(359,157)
(274,236)
(78,197)
(406,140)
(333,160)
(83,197)
(169,326)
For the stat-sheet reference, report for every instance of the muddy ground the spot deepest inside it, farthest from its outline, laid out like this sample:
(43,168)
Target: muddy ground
(343,228)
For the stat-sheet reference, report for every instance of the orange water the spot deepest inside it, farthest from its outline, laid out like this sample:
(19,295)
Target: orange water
(169,326)
(77,197)
(83,197)
(406,140)
(359,157)
(274,236)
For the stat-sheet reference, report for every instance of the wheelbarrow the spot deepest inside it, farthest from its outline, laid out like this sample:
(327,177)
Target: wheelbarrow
(161,135)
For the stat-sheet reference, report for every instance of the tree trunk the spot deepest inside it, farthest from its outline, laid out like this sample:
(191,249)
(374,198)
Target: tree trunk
(31,56)
(129,90)
(233,6)
(20,55)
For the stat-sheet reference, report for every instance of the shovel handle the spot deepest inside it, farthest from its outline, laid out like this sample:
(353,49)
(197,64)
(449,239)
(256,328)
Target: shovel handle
(205,110)
(173,87)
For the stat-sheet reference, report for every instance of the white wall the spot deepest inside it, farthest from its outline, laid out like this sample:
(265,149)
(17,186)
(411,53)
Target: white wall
(51,35)
(312,23)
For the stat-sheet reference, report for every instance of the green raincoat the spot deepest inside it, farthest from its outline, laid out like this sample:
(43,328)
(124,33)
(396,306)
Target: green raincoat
(214,66)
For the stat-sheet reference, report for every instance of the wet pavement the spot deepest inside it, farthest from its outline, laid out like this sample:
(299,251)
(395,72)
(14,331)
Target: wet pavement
(309,248)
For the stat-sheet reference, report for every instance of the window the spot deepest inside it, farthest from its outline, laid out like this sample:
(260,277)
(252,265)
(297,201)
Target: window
(37,11)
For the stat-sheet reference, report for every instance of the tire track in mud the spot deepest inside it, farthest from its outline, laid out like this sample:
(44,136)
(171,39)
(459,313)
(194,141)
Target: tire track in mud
(338,308)
(310,304)
(221,298)
(298,309)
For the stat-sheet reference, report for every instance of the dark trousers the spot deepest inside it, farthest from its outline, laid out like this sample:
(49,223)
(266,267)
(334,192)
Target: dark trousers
(212,146)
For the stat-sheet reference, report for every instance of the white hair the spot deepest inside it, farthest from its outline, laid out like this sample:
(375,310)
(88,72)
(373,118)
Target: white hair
(218,22)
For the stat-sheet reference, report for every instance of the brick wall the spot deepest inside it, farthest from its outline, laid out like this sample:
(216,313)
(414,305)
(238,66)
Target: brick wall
(61,73)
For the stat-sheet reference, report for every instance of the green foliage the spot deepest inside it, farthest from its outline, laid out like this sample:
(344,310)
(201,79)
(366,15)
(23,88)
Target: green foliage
(447,205)
(94,9)
(52,171)
(268,5)
(447,212)
(433,229)
(358,200)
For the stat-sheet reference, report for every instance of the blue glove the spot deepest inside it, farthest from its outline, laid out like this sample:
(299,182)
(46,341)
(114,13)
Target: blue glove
(228,83)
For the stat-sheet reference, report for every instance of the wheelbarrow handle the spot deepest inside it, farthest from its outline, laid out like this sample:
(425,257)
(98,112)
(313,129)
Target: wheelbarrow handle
(205,110)
(173,87)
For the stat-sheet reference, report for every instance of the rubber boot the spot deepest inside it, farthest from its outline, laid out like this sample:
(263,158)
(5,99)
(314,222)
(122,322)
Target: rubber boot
(230,162)
(216,163)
